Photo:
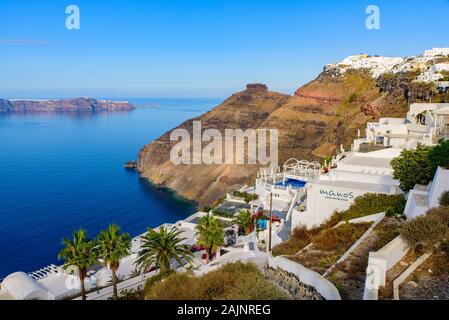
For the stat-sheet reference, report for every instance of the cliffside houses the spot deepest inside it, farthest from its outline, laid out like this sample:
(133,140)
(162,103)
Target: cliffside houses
(376,64)
(425,124)
(364,169)
(434,73)
(303,194)
(436,52)
(429,65)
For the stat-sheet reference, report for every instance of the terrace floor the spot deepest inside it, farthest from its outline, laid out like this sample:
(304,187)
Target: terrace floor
(231,207)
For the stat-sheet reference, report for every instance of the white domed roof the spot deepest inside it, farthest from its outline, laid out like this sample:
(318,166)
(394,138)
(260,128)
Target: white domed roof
(21,286)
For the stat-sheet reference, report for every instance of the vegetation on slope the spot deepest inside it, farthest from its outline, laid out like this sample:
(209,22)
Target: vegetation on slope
(372,203)
(236,281)
(419,166)
(428,230)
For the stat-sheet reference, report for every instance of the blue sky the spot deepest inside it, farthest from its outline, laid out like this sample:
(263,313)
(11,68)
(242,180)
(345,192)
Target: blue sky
(206,48)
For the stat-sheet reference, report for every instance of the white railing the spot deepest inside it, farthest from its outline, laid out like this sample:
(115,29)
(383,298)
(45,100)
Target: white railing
(293,204)
(45,272)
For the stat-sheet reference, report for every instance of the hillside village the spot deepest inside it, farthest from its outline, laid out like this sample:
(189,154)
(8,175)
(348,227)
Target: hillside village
(431,66)
(371,222)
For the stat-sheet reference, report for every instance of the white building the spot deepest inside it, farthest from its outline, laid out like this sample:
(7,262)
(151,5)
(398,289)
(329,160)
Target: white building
(358,172)
(436,52)
(377,65)
(434,73)
(355,175)
(425,124)
(429,76)
(422,198)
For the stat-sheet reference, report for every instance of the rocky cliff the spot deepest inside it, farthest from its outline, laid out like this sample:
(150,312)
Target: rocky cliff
(248,109)
(76,104)
(313,123)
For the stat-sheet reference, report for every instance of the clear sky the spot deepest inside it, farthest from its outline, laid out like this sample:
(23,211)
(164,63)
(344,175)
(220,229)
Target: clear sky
(157,48)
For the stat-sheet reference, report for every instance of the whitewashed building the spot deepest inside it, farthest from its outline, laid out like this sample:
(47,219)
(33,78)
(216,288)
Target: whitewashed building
(425,124)
(436,52)
(376,64)
(359,172)
(355,174)
(425,197)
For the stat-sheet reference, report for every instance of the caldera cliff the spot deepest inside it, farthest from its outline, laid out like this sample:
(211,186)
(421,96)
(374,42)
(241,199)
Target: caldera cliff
(313,123)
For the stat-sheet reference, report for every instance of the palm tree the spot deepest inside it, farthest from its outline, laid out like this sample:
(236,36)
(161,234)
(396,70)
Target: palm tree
(210,234)
(244,220)
(79,252)
(113,246)
(160,247)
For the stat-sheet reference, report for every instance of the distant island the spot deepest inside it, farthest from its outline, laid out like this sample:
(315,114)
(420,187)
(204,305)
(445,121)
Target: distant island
(82,104)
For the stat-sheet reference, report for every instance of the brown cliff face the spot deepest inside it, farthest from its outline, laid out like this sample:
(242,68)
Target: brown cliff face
(248,109)
(312,124)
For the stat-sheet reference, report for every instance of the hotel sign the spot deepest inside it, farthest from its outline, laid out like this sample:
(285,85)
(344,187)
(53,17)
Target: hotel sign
(338,196)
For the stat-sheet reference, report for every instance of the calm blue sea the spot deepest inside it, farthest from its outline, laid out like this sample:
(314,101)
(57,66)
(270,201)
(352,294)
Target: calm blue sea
(60,171)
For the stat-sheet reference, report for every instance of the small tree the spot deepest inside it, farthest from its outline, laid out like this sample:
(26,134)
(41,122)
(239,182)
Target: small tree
(413,167)
(210,234)
(439,155)
(113,247)
(245,221)
(79,252)
(160,247)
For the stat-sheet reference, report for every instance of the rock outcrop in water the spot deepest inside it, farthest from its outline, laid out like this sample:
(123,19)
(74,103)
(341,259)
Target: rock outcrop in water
(63,105)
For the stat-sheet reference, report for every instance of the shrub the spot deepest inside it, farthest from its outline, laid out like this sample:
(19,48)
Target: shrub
(390,212)
(444,247)
(170,288)
(372,203)
(247,197)
(340,237)
(425,231)
(386,233)
(206,209)
(331,222)
(236,281)
(439,155)
(413,167)
(300,238)
(444,199)
(222,213)
(441,213)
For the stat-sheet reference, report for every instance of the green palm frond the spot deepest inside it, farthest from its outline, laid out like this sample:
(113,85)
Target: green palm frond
(113,245)
(160,247)
(210,233)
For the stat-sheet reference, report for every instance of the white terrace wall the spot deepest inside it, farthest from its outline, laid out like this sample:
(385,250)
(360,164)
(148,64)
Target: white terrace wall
(379,263)
(311,278)
(375,219)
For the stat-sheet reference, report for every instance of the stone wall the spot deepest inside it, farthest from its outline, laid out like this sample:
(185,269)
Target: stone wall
(289,282)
